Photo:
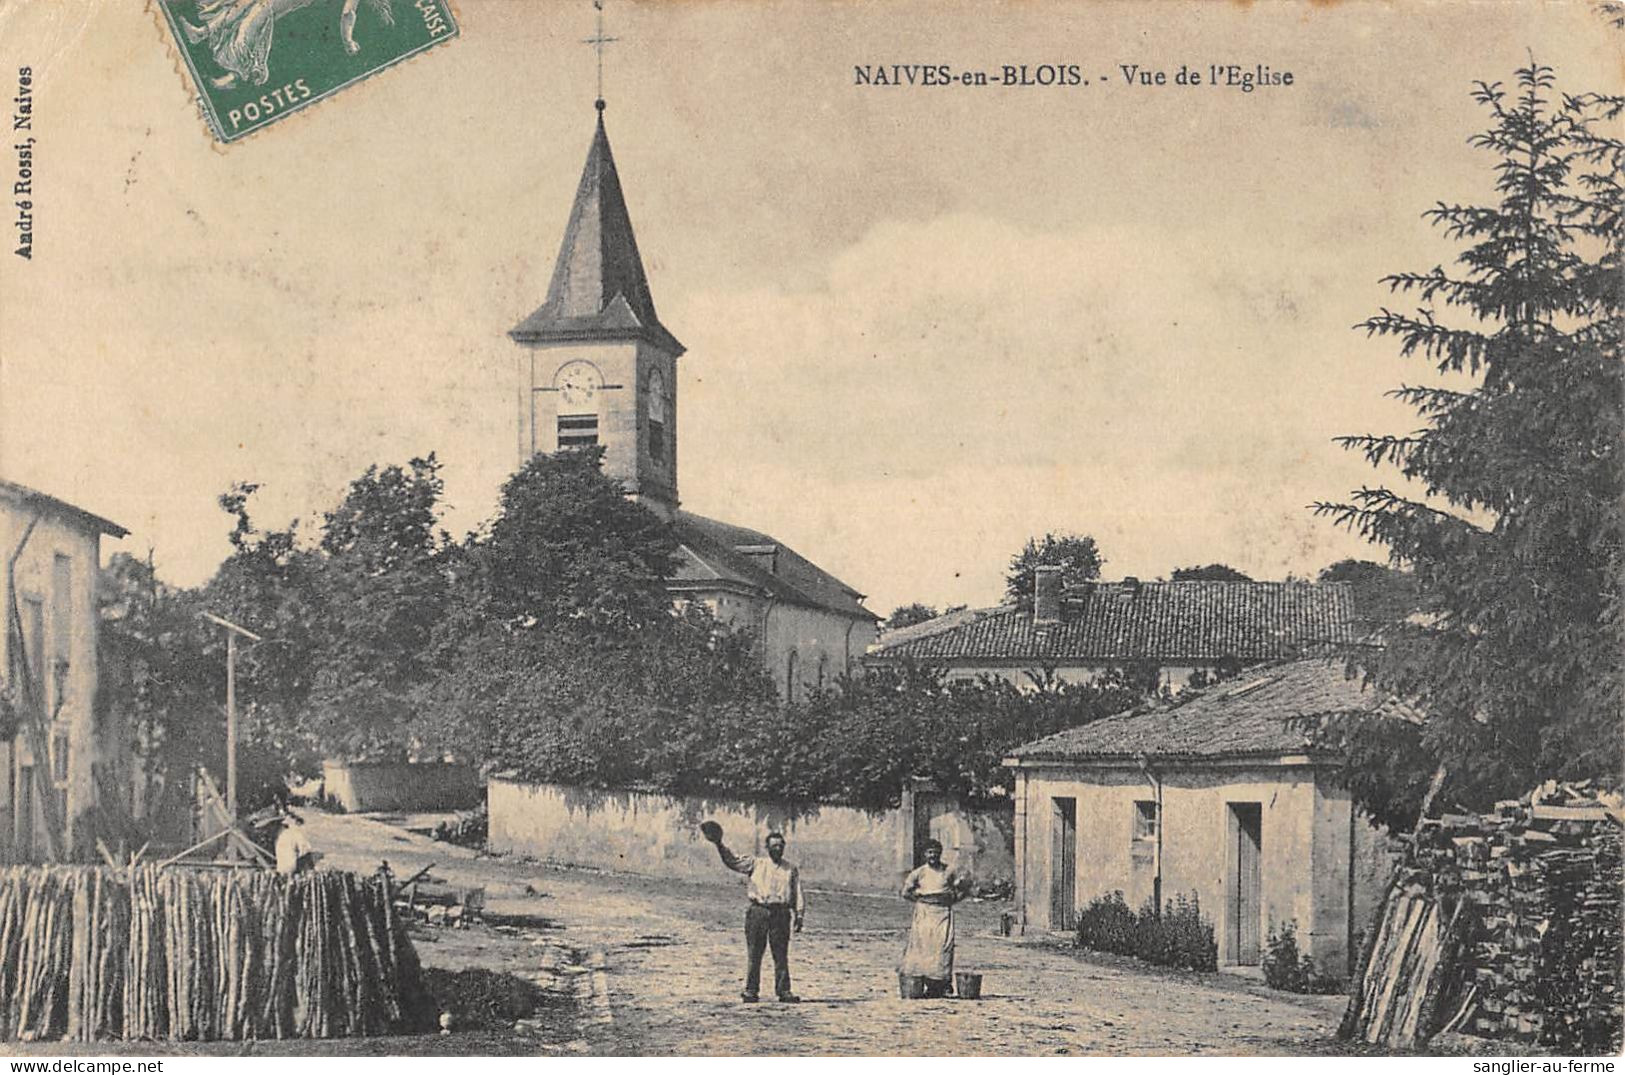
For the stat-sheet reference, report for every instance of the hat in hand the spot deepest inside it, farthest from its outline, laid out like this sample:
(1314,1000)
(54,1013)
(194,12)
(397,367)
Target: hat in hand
(712,831)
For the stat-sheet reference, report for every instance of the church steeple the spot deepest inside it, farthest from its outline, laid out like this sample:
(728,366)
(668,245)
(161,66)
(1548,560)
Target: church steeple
(599,290)
(597,367)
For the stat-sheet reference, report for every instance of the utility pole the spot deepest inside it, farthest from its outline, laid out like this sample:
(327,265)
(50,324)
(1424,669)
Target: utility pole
(232,631)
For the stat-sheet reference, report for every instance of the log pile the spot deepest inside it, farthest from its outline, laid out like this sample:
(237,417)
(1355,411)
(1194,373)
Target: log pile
(93,953)
(1533,896)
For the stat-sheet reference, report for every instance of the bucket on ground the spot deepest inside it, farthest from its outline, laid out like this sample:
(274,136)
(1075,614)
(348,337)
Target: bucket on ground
(968,986)
(910,986)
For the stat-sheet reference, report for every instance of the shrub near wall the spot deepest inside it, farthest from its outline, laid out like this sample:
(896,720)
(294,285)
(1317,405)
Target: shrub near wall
(1288,969)
(1178,937)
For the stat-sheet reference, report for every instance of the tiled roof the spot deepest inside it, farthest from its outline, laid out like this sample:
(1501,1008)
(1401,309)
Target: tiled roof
(1252,714)
(712,553)
(599,290)
(1170,622)
(47,502)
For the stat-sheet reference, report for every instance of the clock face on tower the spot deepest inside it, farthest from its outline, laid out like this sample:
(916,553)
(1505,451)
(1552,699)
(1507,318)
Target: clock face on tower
(578,383)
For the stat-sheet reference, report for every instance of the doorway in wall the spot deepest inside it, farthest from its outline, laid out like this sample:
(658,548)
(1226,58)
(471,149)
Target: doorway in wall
(1245,911)
(1063,903)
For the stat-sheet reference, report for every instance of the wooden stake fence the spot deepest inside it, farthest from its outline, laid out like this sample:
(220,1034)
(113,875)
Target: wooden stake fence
(92,953)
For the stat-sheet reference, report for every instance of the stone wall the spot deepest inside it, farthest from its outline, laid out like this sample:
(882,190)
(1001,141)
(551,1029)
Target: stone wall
(361,787)
(658,835)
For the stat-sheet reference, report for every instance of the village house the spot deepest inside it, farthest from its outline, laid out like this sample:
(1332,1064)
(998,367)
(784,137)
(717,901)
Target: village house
(597,368)
(1217,796)
(53,755)
(1179,630)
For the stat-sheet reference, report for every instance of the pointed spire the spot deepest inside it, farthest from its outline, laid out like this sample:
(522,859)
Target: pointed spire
(599,290)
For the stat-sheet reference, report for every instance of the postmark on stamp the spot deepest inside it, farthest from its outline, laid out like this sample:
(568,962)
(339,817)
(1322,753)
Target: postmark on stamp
(256,61)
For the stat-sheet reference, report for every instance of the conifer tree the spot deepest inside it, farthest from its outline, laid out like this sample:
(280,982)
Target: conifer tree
(1510,516)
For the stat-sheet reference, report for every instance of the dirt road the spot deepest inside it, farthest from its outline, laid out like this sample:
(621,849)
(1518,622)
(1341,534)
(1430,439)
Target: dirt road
(661,963)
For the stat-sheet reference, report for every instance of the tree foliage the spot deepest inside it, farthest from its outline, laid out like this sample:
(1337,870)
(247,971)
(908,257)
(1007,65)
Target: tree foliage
(860,740)
(1382,595)
(1513,532)
(161,675)
(546,644)
(910,615)
(1209,573)
(1076,554)
(569,547)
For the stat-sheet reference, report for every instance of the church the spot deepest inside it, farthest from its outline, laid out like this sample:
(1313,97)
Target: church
(597,367)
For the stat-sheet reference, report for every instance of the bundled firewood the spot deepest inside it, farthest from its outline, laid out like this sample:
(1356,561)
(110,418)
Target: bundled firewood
(1536,954)
(187,954)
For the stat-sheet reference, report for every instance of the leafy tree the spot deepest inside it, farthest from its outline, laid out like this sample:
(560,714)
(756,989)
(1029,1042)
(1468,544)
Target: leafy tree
(1076,554)
(1209,573)
(858,743)
(909,615)
(1382,595)
(382,590)
(161,683)
(270,585)
(1514,535)
(561,656)
(347,618)
(569,546)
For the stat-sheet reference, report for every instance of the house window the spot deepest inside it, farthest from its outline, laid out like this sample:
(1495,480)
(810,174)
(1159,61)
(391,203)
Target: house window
(59,758)
(34,644)
(61,628)
(577,431)
(1145,821)
(790,677)
(823,669)
(61,607)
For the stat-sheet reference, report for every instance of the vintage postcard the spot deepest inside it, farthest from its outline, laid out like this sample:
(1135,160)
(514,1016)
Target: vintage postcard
(921,528)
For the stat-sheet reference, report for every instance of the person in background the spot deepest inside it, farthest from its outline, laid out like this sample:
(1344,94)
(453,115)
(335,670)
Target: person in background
(294,854)
(776,903)
(933,889)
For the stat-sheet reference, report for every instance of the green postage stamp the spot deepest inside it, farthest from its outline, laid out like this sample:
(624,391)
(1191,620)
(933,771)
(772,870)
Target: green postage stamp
(255,61)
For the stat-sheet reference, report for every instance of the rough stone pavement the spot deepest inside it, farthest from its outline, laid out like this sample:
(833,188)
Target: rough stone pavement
(668,959)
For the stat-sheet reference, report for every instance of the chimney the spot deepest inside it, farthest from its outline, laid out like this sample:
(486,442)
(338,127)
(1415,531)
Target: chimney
(1046,596)
(1131,585)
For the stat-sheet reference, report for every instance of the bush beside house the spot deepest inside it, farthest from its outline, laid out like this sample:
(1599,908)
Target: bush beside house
(1178,937)
(1292,971)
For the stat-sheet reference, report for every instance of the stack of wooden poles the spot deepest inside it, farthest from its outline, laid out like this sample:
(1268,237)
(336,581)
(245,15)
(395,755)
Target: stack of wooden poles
(1505,925)
(96,953)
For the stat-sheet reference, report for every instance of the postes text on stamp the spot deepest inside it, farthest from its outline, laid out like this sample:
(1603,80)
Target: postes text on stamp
(255,61)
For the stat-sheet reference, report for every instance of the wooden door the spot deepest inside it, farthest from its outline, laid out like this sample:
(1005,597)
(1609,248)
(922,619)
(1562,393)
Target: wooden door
(1063,907)
(1246,910)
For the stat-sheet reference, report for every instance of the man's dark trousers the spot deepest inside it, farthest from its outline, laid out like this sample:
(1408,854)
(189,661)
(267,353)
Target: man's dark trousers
(767,927)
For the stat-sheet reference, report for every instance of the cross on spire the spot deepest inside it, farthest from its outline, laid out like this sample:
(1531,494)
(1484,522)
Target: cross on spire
(598,41)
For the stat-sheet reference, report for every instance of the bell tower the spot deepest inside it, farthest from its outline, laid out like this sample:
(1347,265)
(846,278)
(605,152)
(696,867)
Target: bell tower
(596,366)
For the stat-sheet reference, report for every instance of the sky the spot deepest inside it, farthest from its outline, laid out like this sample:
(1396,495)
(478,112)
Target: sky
(923,323)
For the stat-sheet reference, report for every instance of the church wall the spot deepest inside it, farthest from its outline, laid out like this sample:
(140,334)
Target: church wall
(811,633)
(814,636)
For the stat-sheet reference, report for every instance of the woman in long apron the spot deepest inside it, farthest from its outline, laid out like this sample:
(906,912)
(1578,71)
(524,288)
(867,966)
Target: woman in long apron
(933,889)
